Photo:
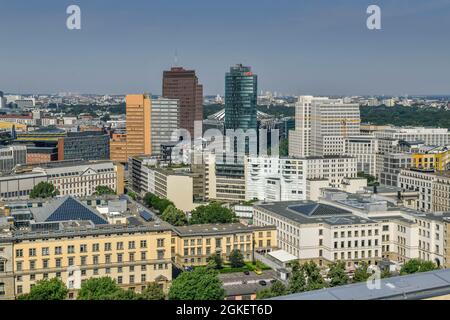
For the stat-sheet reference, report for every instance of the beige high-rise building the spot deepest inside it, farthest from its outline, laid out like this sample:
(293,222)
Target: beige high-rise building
(139,107)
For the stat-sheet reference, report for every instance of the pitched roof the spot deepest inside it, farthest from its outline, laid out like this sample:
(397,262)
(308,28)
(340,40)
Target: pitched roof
(67,209)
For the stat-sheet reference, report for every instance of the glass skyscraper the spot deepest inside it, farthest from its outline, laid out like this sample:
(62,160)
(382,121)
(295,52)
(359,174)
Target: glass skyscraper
(240,98)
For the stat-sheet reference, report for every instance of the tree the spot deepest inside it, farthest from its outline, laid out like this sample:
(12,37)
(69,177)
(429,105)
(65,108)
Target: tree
(215,261)
(212,213)
(103,288)
(103,190)
(362,272)
(337,274)
(200,284)
(277,289)
(313,277)
(417,265)
(43,190)
(153,292)
(53,289)
(297,281)
(237,259)
(157,203)
(174,216)
(121,294)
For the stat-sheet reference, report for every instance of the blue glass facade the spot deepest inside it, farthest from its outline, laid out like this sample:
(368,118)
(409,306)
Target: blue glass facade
(240,98)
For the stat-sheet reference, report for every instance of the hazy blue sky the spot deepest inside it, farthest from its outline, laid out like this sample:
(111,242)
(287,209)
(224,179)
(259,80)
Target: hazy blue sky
(295,47)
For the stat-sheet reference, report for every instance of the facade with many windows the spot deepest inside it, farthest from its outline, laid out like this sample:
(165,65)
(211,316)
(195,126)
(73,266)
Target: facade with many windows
(193,245)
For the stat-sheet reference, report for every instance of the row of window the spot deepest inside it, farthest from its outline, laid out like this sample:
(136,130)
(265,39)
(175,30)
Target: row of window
(83,248)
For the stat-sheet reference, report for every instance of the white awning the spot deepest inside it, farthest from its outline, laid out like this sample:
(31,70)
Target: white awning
(282,256)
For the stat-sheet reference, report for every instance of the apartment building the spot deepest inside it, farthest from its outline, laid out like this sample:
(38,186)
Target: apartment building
(193,245)
(433,187)
(76,178)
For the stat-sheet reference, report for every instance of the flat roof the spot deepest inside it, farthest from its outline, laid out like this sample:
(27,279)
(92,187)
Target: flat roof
(410,287)
(216,229)
(305,212)
(282,256)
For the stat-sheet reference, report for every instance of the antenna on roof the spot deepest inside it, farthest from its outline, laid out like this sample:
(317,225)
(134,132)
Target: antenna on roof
(176,58)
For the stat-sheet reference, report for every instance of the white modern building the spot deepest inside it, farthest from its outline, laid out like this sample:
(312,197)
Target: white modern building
(286,179)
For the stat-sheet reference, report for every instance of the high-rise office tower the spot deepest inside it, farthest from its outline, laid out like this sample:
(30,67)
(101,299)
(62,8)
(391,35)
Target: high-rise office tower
(240,98)
(2,101)
(164,121)
(183,85)
(139,108)
(322,125)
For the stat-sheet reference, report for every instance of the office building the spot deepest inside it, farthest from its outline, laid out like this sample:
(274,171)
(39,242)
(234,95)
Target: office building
(433,188)
(195,244)
(321,126)
(241,87)
(287,179)
(138,110)
(180,184)
(184,86)
(354,228)
(165,121)
(75,178)
(52,144)
(364,149)
(10,156)
(435,158)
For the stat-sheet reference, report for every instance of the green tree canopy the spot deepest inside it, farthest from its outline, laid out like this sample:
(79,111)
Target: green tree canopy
(297,280)
(43,190)
(212,213)
(174,216)
(337,274)
(103,190)
(153,292)
(417,265)
(236,259)
(362,272)
(314,278)
(103,288)
(200,284)
(276,289)
(215,261)
(53,289)
(157,203)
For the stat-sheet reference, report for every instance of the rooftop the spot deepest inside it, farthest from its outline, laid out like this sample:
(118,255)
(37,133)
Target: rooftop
(410,287)
(312,212)
(214,229)
(67,209)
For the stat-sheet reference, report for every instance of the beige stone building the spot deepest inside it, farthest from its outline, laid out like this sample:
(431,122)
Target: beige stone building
(193,245)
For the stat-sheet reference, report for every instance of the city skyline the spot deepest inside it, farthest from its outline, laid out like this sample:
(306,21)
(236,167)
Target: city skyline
(295,47)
